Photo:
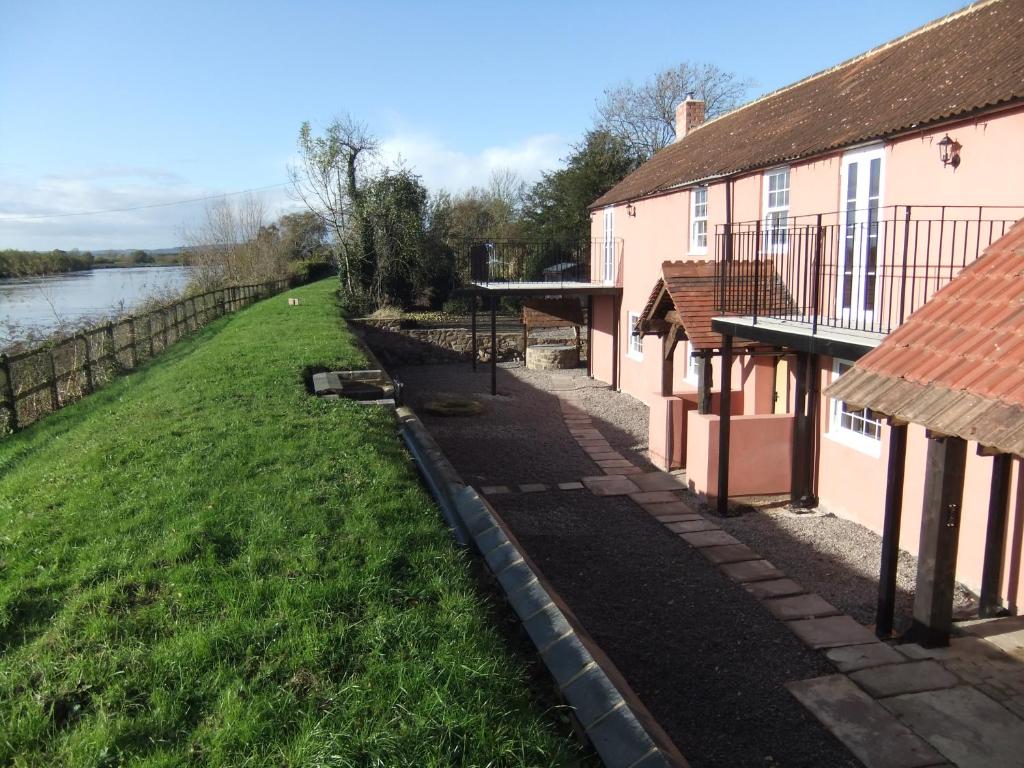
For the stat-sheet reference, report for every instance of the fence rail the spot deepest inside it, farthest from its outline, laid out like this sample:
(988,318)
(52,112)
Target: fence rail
(36,382)
(529,261)
(860,270)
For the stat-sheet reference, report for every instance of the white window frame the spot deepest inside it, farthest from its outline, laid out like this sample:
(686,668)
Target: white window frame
(608,247)
(774,207)
(699,221)
(862,441)
(692,365)
(635,344)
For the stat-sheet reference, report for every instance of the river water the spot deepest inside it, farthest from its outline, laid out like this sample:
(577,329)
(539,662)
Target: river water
(40,304)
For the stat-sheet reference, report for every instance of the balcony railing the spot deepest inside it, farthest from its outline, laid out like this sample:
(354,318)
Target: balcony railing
(488,262)
(858,270)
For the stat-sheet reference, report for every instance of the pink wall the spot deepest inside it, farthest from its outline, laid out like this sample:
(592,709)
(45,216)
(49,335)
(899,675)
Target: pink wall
(759,453)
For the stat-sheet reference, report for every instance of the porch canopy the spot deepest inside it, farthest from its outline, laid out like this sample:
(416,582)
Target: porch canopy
(956,367)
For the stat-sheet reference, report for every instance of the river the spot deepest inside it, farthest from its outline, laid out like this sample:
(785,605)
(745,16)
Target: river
(40,304)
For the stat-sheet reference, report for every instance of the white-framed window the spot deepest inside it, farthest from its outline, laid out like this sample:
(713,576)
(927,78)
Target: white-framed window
(608,250)
(699,220)
(693,364)
(776,209)
(635,348)
(859,428)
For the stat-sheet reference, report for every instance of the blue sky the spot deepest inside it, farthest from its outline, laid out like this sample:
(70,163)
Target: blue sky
(111,105)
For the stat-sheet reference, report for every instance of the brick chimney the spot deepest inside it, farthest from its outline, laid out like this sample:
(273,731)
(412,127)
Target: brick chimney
(689,115)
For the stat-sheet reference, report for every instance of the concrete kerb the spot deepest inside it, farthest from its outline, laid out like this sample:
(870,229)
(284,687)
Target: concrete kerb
(615,722)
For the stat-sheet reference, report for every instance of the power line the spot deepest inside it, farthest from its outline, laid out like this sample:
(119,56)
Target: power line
(19,217)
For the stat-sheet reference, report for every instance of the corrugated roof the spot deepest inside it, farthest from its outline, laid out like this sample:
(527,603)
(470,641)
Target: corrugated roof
(957,365)
(965,62)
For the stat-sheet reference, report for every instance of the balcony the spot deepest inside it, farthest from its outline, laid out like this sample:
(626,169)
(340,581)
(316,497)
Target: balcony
(837,283)
(538,266)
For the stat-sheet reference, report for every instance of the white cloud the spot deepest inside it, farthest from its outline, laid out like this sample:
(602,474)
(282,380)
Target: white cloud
(442,166)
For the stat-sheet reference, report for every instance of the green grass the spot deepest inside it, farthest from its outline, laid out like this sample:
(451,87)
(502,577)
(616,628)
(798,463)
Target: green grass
(203,565)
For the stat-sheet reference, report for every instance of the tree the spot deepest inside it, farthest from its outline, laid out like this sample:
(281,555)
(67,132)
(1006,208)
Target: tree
(303,236)
(556,206)
(643,116)
(327,181)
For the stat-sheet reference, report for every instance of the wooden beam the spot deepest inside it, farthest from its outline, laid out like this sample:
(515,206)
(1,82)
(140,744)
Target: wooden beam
(668,346)
(725,415)
(655,326)
(886,606)
(673,318)
(940,533)
(704,377)
(797,482)
(989,603)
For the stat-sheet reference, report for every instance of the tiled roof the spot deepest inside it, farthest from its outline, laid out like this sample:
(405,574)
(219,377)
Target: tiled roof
(957,365)
(965,62)
(692,288)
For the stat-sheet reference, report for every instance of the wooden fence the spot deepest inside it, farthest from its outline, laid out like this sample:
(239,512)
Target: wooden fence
(39,381)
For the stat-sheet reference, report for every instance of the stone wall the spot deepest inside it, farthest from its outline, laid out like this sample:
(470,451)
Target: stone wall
(425,346)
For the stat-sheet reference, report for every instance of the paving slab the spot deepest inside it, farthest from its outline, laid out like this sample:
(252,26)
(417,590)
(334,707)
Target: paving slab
(573,486)
(831,631)
(850,658)
(660,481)
(690,526)
(732,553)
(765,589)
(532,487)
(685,518)
(609,485)
(715,538)
(669,508)
(613,463)
(1006,633)
(966,726)
(494,490)
(744,571)
(867,729)
(630,470)
(653,497)
(800,607)
(598,454)
(908,677)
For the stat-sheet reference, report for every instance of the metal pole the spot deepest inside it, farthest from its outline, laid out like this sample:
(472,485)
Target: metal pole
(891,531)
(725,414)
(995,536)
(816,270)
(494,345)
(472,328)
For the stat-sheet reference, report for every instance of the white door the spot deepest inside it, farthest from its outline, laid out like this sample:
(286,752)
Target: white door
(861,185)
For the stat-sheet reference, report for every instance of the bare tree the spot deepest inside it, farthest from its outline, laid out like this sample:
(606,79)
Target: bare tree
(644,116)
(326,179)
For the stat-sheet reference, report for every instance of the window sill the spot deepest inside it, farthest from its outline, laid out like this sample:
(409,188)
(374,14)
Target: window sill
(697,253)
(634,356)
(858,442)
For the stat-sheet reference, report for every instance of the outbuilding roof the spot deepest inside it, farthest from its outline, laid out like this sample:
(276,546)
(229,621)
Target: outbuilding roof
(968,61)
(957,365)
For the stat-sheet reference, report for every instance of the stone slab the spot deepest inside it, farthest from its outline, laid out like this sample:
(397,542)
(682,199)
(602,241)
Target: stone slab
(744,571)
(603,463)
(669,508)
(573,486)
(831,631)
(702,539)
(630,470)
(731,553)
(532,487)
(660,481)
(687,518)
(598,455)
(800,607)
(494,490)
(766,589)
(653,497)
(609,485)
(867,729)
(690,526)
(908,677)
(966,726)
(619,738)
(850,658)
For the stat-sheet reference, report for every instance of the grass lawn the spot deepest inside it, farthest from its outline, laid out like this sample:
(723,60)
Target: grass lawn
(203,565)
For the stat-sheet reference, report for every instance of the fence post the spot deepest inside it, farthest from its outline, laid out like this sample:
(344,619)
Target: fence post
(149,325)
(8,393)
(89,380)
(133,342)
(906,250)
(109,333)
(54,390)
(757,276)
(816,276)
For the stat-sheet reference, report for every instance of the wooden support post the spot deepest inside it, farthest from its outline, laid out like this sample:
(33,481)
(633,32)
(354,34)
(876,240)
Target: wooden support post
(472,329)
(886,605)
(590,336)
(797,485)
(995,537)
(133,342)
(704,378)
(9,399)
(940,532)
(54,387)
(810,499)
(668,350)
(109,332)
(494,345)
(90,380)
(725,416)
(526,332)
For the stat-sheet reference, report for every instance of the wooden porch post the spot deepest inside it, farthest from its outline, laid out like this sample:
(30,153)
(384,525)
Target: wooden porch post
(704,377)
(494,345)
(668,353)
(995,536)
(799,461)
(891,531)
(940,529)
(725,411)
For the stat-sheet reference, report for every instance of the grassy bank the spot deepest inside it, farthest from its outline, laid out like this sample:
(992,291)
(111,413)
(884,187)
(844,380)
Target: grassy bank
(202,565)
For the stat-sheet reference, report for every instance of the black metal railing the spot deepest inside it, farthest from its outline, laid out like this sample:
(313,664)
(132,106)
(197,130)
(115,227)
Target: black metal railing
(862,270)
(486,262)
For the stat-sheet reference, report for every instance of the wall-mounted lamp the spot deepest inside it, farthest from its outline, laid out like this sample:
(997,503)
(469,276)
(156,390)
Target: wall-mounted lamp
(949,151)
(630,209)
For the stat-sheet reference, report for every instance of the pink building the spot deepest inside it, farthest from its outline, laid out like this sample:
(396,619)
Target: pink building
(827,212)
